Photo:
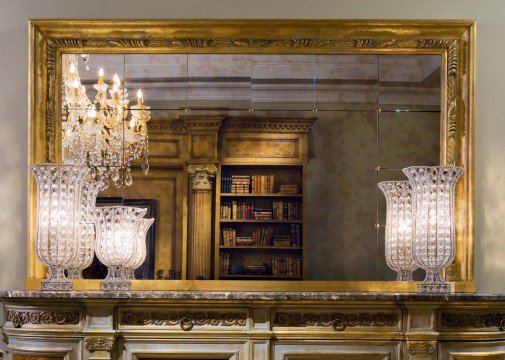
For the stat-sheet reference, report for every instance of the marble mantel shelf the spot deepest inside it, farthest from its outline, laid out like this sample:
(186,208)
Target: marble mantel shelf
(247,296)
(246,325)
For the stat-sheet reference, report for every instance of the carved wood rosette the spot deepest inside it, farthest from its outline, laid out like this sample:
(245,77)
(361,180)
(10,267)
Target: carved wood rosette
(20,318)
(185,319)
(338,321)
(421,347)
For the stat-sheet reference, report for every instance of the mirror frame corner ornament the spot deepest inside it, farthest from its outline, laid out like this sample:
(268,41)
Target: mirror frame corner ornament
(454,40)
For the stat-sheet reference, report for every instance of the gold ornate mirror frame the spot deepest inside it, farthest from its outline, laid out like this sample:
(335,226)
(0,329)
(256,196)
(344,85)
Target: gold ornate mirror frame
(454,40)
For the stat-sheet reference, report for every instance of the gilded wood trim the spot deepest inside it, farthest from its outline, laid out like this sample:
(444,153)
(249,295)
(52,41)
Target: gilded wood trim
(453,39)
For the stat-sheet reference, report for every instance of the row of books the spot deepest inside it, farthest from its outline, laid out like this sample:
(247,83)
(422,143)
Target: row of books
(296,235)
(247,184)
(228,236)
(257,269)
(281,240)
(287,210)
(289,189)
(286,267)
(263,236)
(262,184)
(235,210)
(240,184)
(224,264)
(244,241)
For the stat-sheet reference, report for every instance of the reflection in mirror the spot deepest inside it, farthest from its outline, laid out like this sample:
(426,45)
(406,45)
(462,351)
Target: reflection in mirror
(369,116)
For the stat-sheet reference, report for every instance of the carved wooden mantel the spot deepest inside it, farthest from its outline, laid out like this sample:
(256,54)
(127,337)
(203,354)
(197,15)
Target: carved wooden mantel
(253,325)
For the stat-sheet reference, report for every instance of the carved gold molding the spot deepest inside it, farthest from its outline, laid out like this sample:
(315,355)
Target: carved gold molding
(20,318)
(186,320)
(99,344)
(421,347)
(452,39)
(338,321)
(473,320)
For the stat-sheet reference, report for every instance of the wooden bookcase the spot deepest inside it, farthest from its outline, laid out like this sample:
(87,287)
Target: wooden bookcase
(254,147)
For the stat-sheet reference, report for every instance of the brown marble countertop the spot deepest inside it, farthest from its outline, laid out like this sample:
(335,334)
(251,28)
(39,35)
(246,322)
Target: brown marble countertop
(245,296)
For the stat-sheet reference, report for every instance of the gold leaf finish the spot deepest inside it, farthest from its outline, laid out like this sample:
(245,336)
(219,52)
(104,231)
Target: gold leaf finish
(454,40)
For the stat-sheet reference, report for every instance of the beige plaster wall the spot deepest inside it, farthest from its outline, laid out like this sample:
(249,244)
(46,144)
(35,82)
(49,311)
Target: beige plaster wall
(490,189)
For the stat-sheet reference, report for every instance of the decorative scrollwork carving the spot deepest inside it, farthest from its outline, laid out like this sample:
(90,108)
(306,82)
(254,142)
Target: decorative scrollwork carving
(421,347)
(19,318)
(201,175)
(99,344)
(473,320)
(338,321)
(129,42)
(186,320)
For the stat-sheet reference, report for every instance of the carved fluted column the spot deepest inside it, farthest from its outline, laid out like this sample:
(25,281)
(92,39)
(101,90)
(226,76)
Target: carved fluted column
(200,220)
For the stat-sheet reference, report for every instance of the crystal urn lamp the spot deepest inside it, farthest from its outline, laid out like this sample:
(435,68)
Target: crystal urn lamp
(86,235)
(398,235)
(116,242)
(139,255)
(59,211)
(434,231)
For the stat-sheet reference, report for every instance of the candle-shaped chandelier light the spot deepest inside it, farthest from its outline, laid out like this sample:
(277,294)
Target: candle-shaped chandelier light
(434,230)
(59,214)
(398,234)
(104,134)
(116,242)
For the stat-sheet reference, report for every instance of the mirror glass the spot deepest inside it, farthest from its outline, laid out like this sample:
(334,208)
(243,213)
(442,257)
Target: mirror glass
(375,115)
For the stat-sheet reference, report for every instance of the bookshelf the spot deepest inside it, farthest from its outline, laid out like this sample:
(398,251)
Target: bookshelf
(260,222)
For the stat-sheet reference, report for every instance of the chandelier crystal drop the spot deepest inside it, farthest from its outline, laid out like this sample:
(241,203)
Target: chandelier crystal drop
(86,235)
(104,134)
(139,255)
(116,242)
(434,230)
(59,214)
(398,235)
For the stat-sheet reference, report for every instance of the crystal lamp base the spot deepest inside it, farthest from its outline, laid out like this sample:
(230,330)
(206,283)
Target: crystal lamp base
(56,280)
(115,280)
(115,285)
(434,284)
(434,288)
(56,285)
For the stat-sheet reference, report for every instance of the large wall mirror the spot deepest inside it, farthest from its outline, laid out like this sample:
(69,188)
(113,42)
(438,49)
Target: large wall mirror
(309,121)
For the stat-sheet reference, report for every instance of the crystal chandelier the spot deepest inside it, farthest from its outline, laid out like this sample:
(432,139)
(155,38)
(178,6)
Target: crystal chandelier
(116,242)
(59,215)
(398,235)
(104,134)
(434,231)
